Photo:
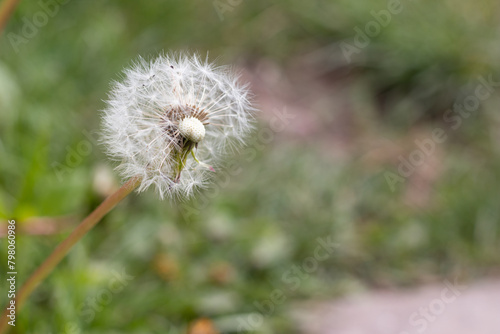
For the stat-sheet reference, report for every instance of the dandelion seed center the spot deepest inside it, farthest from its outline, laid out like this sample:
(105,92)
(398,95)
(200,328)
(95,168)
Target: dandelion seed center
(192,128)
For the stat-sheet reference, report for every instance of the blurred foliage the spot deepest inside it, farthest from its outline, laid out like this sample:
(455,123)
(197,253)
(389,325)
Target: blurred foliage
(228,257)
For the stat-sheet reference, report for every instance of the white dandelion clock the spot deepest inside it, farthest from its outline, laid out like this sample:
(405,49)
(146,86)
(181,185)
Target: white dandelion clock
(171,122)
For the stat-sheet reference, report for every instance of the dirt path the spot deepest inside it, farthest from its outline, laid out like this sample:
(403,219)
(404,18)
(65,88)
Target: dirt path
(445,308)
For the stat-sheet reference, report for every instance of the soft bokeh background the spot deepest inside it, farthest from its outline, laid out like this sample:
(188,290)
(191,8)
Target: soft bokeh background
(320,171)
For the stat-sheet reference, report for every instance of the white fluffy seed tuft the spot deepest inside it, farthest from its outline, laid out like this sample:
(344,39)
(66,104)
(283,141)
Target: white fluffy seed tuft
(173,120)
(191,128)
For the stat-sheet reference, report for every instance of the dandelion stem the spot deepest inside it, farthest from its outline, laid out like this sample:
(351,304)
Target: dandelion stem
(58,254)
(6,10)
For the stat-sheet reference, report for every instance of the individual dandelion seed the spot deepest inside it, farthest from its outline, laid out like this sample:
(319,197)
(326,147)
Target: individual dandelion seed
(171,122)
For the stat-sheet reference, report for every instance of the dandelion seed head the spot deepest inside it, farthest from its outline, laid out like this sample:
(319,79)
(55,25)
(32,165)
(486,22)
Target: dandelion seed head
(173,120)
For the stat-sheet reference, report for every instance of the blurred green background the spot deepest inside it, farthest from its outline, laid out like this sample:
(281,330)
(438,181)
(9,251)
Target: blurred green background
(331,170)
